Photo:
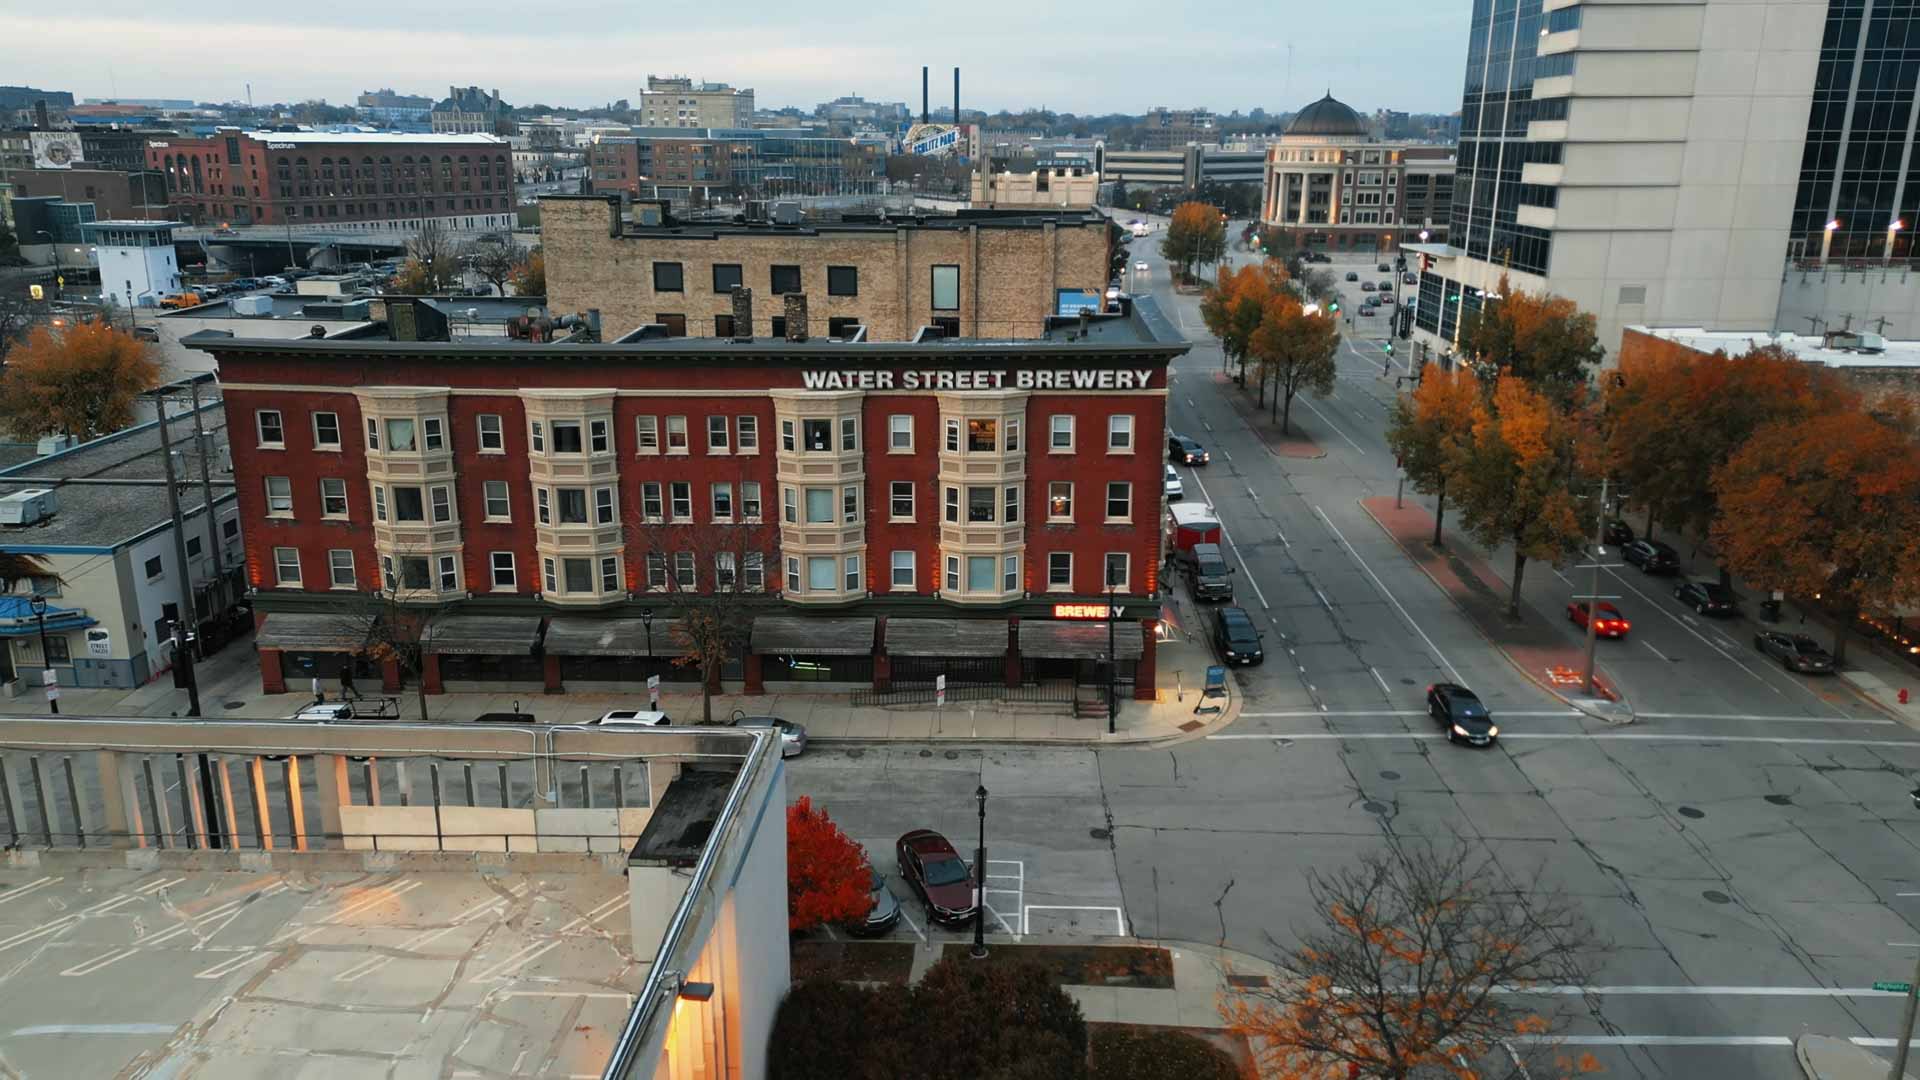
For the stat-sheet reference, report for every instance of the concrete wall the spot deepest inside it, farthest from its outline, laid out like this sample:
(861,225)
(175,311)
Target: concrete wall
(1834,295)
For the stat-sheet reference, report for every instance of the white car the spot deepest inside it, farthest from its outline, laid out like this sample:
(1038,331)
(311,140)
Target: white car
(633,718)
(1175,489)
(1140,267)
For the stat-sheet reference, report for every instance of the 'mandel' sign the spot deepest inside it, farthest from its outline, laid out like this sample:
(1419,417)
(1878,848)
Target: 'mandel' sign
(1040,379)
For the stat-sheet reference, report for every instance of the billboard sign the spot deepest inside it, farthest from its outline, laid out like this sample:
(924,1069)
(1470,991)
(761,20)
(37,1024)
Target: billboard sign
(55,149)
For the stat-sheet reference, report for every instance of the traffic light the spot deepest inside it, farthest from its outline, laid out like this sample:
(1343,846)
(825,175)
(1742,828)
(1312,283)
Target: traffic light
(1333,307)
(1389,348)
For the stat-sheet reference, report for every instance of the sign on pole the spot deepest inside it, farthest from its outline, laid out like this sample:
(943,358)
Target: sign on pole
(940,690)
(653,692)
(1893,987)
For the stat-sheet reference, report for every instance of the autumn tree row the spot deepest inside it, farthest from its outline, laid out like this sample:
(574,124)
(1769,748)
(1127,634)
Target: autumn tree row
(1266,321)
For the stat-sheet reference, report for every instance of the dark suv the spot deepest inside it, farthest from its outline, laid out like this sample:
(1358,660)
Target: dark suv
(1236,637)
(1184,451)
(1208,573)
(1706,597)
(1652,557)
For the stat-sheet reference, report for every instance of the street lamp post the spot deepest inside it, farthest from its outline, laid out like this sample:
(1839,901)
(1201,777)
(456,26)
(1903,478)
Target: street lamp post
(1113,708)
(1593,597)
(1892,231)
(979,951)
(646,620)
(1826,240)
(59,268)
(38,605)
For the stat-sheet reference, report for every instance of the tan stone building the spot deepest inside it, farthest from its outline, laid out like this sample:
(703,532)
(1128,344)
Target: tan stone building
(680,102)
(1064,184)
(1332,186)
(977,274)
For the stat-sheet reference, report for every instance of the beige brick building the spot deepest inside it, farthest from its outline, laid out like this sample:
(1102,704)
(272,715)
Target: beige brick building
(677,101)
(973,275)
(1069,184)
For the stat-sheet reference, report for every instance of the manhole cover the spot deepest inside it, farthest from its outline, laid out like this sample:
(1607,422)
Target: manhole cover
(1690,812)
(1389,774)
(1099,834)
(1717,897)
(855,752)
(232,704)
(1372,807)
(1192,725)
(953,755)
(926,753)
(1407,682)
(1780,800)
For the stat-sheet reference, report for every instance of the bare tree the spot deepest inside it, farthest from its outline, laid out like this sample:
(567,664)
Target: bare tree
(714,572)
(495,260)
(431,265)
(1418,967)
(390,628)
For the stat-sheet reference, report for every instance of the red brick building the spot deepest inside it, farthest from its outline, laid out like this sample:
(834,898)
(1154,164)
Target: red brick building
(891,511)
(642,166)
(338,180)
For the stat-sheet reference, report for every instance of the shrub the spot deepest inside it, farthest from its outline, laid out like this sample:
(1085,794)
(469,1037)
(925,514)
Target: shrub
(1007,1021)
(1130,1054)
(839,1031)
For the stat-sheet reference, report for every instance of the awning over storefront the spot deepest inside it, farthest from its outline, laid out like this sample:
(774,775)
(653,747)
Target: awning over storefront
(483,635)
(291,631)
(802,636)
(1042,639)
(576,636)
(946,637)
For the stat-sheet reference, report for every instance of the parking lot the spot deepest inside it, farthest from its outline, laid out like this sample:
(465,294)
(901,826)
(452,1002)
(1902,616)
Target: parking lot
(1050,867)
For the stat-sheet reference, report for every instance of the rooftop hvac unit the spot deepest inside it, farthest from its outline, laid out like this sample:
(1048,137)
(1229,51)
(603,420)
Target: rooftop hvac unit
(29,507)
(53,444)
(253,307)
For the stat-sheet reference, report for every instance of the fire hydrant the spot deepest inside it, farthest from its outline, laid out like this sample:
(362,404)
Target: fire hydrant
(1903,695)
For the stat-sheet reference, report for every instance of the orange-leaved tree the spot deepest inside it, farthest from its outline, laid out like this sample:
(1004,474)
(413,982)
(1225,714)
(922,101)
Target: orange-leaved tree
(530,277)
(1409,971)
(1195,234)
(1297,348)
(828,876)
(1234,305)
(82,379)
(1829,507)
(1546,340)
(1430,430)
(1516,478)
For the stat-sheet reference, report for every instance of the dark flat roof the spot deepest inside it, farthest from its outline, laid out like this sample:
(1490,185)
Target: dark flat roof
(688,810)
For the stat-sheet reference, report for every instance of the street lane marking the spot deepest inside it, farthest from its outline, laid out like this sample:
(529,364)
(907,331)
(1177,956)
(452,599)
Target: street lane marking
(1381,681)
(1687,623)
(1228,537)
(1323,599)
(227,967)
(1774,719)
(1323,419)
(15,894)
(1656,652)
(1317,713)
(1610,736)
(1384,591)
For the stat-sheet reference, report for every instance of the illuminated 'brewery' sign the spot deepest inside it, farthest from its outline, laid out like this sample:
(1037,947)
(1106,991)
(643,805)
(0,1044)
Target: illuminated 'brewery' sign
(1085,611)
(1133,379)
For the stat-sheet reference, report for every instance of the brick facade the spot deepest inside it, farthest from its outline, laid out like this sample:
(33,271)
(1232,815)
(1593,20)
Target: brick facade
(1010,269)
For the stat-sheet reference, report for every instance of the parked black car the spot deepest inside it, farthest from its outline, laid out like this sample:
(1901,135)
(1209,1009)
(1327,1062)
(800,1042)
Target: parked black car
(1651,556)
(1208,573)
(1617,532)
(1236,637)
(1706,597)
(1796,652)
(1460,714)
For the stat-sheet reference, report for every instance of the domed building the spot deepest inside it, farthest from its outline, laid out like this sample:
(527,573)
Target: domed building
(1333,187)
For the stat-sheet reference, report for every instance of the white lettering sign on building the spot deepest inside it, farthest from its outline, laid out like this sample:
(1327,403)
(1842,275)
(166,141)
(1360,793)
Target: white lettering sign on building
(1025,379)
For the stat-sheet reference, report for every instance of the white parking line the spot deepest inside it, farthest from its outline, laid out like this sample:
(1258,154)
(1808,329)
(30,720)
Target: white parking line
(1384,591)
(1609,736)
(15,894)
(917,932)
(1119,915)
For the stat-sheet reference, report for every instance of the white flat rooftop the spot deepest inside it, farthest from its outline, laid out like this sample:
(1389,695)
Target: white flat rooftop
(376,137)
(271,975)
(1734,342)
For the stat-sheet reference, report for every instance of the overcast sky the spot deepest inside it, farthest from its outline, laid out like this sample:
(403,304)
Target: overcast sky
(1129,55)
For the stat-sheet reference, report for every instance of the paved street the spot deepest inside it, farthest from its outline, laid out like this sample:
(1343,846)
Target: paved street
(1748,845)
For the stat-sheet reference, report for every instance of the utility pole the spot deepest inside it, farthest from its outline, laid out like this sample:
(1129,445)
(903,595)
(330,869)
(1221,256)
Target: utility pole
(206,485)
(1899,1070)
(183,650)
(1593,594)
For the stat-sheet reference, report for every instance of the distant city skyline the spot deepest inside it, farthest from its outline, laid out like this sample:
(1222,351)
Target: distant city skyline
(1011,55)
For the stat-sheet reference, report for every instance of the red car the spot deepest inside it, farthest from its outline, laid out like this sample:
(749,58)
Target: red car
(1609,623)
(938,874)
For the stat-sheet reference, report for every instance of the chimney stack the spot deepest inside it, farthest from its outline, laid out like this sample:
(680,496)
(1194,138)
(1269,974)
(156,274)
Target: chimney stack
(923,93)
(742,313)
(956,96)
(796,316)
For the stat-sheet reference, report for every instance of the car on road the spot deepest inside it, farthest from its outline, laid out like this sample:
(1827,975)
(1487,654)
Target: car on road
(1461,714)
(1351,276)
(1182,450)
(1387,285)
(1796,652)
(1410,278)
(632,718)
(1706,597)
(1318,257)
(1208,573)
(146,333)
(1367,286)
(938,875)
(883,909)
(1617,533)
(1140,267)
(793,737)
(1384,268)
(1651,556)
(1236,637)
(1175,490)
(1608,623)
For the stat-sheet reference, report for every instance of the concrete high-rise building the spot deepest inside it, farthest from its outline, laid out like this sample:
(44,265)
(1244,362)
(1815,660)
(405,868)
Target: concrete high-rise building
(678,101)
(1657,164)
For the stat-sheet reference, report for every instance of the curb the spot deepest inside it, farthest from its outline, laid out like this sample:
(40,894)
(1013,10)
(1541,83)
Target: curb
(1617,711)
(1225,718)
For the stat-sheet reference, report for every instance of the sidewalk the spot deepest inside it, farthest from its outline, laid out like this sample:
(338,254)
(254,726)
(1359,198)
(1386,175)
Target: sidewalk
(1824,1057)
(1531,647)
(230,688)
